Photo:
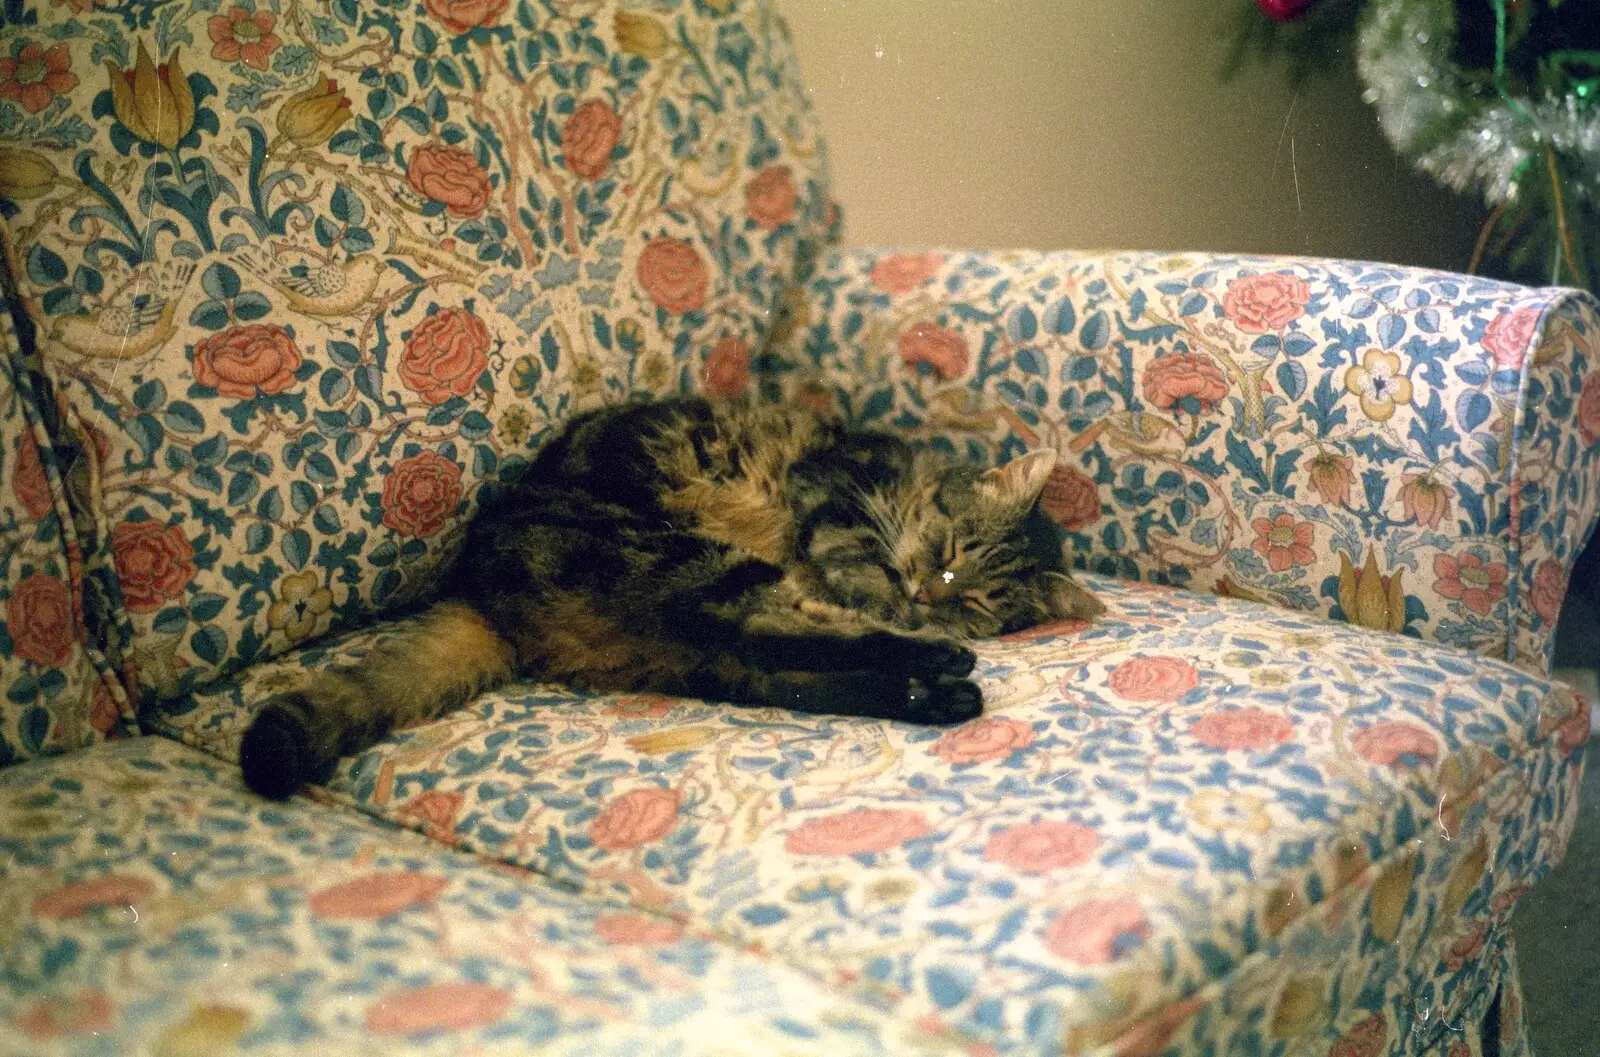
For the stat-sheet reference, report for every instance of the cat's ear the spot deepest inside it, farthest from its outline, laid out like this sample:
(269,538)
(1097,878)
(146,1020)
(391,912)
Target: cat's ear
(1019,482)
(1070,600)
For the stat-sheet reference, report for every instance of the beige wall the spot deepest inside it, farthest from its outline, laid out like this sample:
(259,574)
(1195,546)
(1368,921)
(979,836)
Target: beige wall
(1101,123)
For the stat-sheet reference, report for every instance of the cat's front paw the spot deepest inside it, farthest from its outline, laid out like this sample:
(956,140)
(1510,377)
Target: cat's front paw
(943,701)
(922,657)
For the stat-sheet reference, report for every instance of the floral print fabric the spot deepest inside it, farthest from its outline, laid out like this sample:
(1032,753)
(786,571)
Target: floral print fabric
(191,917)
(1199,819)
(306,277)
(58,692)
(1409,451)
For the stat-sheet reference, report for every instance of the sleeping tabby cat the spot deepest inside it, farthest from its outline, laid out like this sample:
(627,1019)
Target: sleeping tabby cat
(761,556)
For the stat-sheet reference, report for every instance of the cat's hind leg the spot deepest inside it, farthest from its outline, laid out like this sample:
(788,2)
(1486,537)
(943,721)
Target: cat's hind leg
(449,657)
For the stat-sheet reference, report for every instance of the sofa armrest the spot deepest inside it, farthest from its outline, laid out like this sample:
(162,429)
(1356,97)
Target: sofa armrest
(1408,450)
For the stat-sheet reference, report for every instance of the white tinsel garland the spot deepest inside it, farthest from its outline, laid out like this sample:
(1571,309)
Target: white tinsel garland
(1463,133)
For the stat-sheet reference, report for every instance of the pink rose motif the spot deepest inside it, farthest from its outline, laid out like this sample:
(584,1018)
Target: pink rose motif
(1573,732)
(1259,303)
(1052,630)
(374,896)
(635,818)
(1071,499)
(1150,1036)
(1039,847)
(463,16)
(420,494)
(901,273)
(435,810)
(28,482)
(85,1010)
(1589,410)
(104,712)
(982,740)
(1465,950)
(858,832)
(673,275)
(1153,678)
(450,176)
(637,930)
(640,706)
(242,362)
(1366,1039)
(1097,932)
(79,898)
(769,198)
(1509,336)
(1250,727)
(445,355)
(1388,743)
(438,1007)
(942,349)
(1549,591)
(589,137)
(726,372)
(154,563)
(1478,584)
(39,616)
(1183,382)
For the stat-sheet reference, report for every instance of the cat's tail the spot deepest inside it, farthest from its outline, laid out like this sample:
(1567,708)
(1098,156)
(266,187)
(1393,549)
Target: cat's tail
(448,657)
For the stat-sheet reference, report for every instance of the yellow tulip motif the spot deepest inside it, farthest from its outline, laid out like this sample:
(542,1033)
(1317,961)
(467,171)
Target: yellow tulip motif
(641,35)
(25,174)
(208,1029)
(1390,893)
(310,118)
(673,739)
(1369,598)
(153,102)
(1299,1006)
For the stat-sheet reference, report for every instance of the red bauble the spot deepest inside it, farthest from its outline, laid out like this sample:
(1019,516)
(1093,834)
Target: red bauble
(1284,10)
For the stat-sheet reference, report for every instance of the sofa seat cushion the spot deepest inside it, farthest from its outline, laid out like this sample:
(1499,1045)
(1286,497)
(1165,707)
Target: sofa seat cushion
(1199,818)
(190,917)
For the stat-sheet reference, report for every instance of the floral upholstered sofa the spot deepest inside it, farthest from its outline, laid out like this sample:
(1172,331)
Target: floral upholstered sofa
(292,285)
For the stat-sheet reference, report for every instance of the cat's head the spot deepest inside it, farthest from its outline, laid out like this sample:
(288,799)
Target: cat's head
(968,552)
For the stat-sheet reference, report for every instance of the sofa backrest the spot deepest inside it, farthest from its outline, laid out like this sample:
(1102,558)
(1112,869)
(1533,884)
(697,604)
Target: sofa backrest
(306,277)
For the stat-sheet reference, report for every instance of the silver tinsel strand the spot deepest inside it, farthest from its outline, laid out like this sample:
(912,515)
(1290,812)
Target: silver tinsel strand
(1465,136)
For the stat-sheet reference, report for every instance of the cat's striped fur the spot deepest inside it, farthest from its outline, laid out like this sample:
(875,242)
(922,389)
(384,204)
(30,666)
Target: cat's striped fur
(761,556)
